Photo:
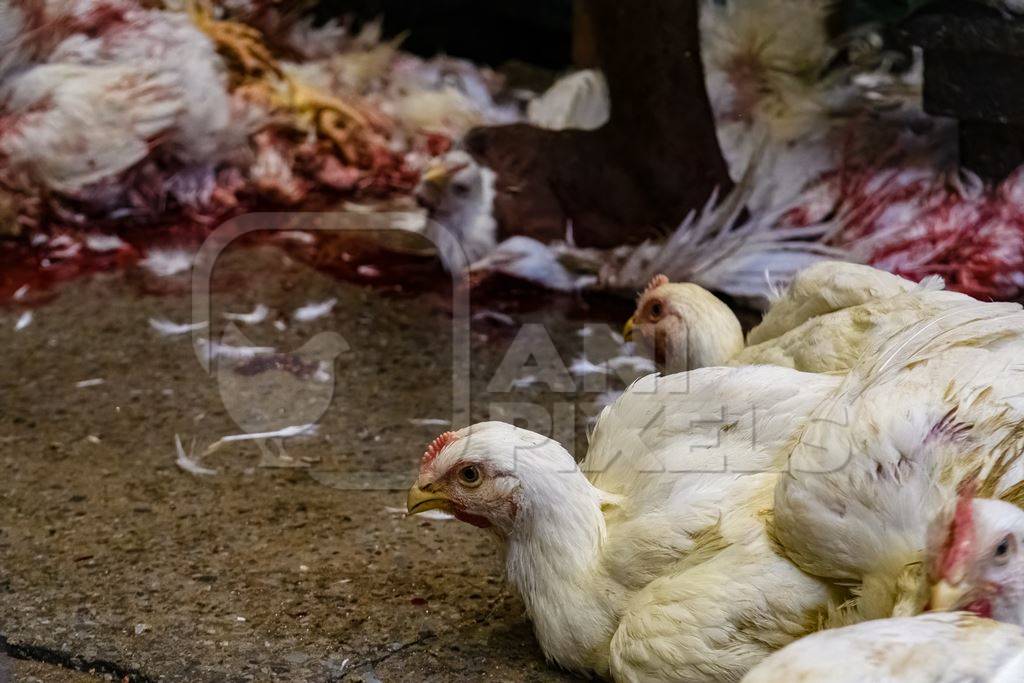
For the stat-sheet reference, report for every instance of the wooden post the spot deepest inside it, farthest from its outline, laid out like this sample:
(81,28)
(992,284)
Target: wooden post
(639,175)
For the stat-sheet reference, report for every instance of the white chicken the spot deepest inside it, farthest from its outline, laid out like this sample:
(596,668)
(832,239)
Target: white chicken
(650,561)
(772,75)
(459,194)
(828,316)
(933,411)
(73,125)
(684,326)
(853,146)
(932,648)
(765,60)
(982,551)
(171,46)
(96,88)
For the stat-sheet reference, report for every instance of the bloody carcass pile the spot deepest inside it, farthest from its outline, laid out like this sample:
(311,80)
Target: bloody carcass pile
(118,117)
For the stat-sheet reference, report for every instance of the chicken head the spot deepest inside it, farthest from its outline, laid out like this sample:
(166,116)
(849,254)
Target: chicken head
(487,474)
(683,326)
(979,564)
(459,196)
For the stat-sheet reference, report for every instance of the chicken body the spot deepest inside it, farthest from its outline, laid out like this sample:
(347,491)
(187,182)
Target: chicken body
(833,312)
(170,45)
(829,315)
(924,414)
(651,561)
(78,125)
(932,648)
(459,194)
(95,89)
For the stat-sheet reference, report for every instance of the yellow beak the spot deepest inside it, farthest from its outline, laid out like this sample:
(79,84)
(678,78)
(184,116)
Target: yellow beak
(946,596)
(438,175)
(627,329)
(420,501)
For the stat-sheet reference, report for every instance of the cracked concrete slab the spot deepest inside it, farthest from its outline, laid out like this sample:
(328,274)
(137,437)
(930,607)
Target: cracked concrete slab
(113,554)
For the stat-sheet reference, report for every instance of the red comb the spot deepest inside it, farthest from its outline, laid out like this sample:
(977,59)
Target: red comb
(961,536)
(436,446)
(656,281)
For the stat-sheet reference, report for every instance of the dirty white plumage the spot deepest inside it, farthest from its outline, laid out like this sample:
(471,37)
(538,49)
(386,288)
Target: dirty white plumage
(772,80)
(932,648)
(93,90)
(826,318)
(172,47)
(932,409)
(765,61)
(81,124)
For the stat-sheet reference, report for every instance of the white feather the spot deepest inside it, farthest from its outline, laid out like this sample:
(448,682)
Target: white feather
(713,249)
(314,311)
(188,463)
(167,262)
(258,315)
(577,101)
(170,329)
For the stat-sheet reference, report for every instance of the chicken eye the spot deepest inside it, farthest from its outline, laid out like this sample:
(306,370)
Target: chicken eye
(470,475)
(460,189)
(656,309)
(1003,550)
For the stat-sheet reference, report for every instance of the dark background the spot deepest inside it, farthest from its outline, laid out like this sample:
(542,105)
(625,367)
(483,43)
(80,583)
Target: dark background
(538,32)
(487,31)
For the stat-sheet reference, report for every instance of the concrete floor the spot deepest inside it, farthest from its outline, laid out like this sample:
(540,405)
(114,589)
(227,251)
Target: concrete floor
(116,561)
